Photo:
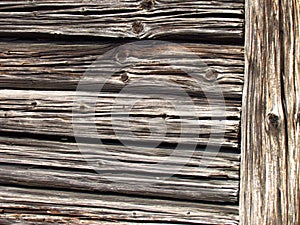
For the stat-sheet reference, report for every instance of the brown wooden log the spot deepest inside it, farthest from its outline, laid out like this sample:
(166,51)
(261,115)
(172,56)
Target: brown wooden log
(29,118)
(65,154)
(221,19)
(270,191)
(60,66)
(45,118)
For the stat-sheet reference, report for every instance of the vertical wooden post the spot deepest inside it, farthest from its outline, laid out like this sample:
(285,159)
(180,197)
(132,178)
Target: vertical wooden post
(270,170)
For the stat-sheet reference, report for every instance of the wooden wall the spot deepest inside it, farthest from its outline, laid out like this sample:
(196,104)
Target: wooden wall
(45,48)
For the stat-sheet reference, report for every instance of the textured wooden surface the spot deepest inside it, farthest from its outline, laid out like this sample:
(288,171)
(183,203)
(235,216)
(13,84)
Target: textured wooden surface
(43,175)
(221,19)
(39,151)
(63,64)
(56,207)
(270,191)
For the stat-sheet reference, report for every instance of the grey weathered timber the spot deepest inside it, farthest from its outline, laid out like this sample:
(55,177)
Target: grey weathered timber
(46,120)
(47,46)
(63,154)
(221,19)
(36,65)
(50,164)
(38,81)
(85,208)
(270,190)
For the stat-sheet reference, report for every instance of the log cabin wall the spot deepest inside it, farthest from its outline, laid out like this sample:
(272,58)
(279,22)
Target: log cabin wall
(45,49)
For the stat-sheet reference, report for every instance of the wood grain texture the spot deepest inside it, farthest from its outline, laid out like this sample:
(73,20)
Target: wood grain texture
(221,19)
(48,121)
(57,164)
(38,150)
(65,154)
(291,81)
(270,118)
(45,50)
(35,65)
(51,207)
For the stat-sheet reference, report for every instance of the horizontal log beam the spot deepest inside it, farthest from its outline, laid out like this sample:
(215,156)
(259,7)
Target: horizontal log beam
(221,19)
(113,122)
(60,66)
(83,208)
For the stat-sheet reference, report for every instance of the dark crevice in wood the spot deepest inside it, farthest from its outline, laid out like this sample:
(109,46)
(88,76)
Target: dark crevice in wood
(208,15)
(57,138)
(29,166)
(116,194)
(33,8)
(96,40)
(204,178)
(129,115)
(199,38)
(92,171)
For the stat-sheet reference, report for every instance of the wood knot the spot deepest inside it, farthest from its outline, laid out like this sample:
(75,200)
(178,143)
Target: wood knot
(273,120)
(34,104)
(124,77)
(147,4)
(211,74)
(83,11)
(164,116)
(137,27)
(82,107)
(121,56)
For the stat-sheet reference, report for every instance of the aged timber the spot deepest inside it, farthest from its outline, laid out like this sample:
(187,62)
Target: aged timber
(221,19)
(46,49)
(270,179)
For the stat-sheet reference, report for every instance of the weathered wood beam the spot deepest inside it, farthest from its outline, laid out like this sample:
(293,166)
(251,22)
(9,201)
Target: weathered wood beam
(60,66)
(30,118)
(65,207)
(44,177)
(221,19)
(270,175)
(66,155)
